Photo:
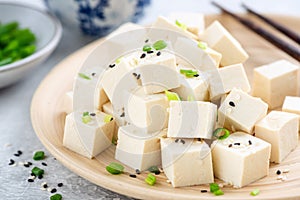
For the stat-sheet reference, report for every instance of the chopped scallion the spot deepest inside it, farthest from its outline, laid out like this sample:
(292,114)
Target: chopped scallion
(85,113)
(221,133)
(119,60)
(151,179)
(254,192)
(213,187)
(181,25)
(86,119)
(154,169)
(37,171)
(39,155)
(218,192)
(159,45)
(81,75)
(107,118)
(115,168)
(202,45)
(188,72)
(56,197)
(147,48)
(172,96)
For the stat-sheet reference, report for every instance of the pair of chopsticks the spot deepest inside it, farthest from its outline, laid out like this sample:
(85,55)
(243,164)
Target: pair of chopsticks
(290,49)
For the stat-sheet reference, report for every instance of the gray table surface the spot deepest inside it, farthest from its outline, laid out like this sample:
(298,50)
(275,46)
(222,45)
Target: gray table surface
(16,132)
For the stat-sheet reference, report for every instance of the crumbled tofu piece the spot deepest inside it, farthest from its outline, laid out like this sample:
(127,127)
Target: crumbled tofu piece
(274,81)
(194,21)
(240,111)
(88,139)
(280,129)
(240,159)
(292,105)
(138,149)
(186,162)
(191,119)
(148,112)
(219,39)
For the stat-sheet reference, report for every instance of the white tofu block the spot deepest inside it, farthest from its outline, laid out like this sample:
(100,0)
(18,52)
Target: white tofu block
(68,102)
(219,39)
(191,119)
(240,159)
(274,81)
(137,149)
(88,139)
(240,111)
(292,105)
(280,129)
(186,164)
(164,23)
(233,76)
(195,88)
(194,21)
(147,112)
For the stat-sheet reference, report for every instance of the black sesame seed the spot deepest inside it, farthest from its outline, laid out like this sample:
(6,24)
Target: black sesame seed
(53,190)
(30,180)
(237,143)
(122,115)
(93,74)
(203,191)
(250,143)
(11,162)
(138,76)
(32,174)
(278,172)
(146,40)
(20,152)
(253,134)
(45,186)
(26,165)
(143,56)
(231,103)
(112,65)
(157,172)
(230,145)
(137,171)
(29,163)
(149,52)
(158,53)
(111,119)
(196,75)
(60,184)
(134,74)
(40,176)
(16,154)
(177,140)
(93,114)
(132,175)
(182,141)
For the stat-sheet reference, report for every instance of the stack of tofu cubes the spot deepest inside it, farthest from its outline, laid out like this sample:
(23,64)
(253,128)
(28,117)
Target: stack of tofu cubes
(152,130)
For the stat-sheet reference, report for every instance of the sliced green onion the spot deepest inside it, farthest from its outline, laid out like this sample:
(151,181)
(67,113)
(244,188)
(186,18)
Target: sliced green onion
(39,155)
(108,118)
(172,96)
(115,168)
(37,171)
(159,45)
(202,45)
(56,197)
(114,141)
(154,169)
(81,75)
(221,133)
(151,179)
(86,119)
(147,47)
(213,187)
(181,25)
(218,192)
(254,192)
(119,60)
(85,113)
(188,72)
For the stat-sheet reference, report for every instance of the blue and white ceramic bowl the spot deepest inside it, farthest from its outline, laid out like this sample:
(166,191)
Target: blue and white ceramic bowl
(97,17)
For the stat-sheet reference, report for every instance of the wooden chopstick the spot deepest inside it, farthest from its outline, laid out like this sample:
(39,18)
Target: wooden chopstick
(276,41)
(291,34)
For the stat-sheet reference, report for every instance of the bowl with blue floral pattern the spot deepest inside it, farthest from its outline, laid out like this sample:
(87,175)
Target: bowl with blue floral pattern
(97,17)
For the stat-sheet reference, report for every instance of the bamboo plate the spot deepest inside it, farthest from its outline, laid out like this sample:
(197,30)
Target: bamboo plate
(48,121)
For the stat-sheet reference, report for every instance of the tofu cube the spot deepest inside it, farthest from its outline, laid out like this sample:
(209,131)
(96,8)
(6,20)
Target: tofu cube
(87,139)
(186,162)
(137,149)
(240,111)
(147,112)
(240,159)
(194,22)
(274,81)
(233,76)
(219,39)
(292,105)
(191,119)
(68,102)
(280,129)
(194,87)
